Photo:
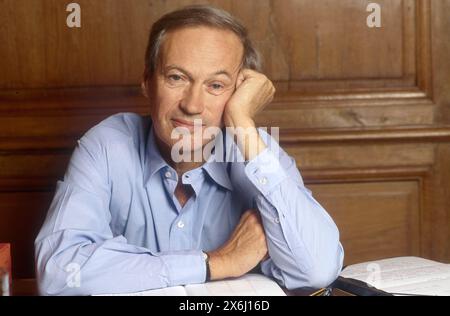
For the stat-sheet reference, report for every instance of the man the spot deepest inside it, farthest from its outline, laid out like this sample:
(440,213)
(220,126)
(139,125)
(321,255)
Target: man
(130,217)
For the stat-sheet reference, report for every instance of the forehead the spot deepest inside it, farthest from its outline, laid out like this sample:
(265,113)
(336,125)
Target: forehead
(205,49)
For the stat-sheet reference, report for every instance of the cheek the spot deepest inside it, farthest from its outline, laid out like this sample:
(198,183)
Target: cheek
(166,101)
(217,108)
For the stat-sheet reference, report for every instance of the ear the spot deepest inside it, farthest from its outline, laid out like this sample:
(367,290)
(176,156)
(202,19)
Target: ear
(144,88)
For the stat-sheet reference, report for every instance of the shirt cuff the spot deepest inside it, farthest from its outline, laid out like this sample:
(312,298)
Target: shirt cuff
(185,267)
(265,171)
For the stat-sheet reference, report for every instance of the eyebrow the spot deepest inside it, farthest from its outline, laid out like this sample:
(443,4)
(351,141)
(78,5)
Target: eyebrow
(187,73)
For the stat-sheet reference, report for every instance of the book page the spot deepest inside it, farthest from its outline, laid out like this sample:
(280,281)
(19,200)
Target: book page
(433,287)
(168,291)
(390,264)
(409,275)
(247,285)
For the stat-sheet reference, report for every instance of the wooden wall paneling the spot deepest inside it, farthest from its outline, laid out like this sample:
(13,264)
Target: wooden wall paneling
(22,214)
(32,164)
(27,183)
(358,158)
(42,52)
(364,111)
(376,220)
(354,68)
(440,58)
(322,40)
(439,202)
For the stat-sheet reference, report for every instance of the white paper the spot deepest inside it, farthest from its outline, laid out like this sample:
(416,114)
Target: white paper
(407,275)
(247,285)
(168,291)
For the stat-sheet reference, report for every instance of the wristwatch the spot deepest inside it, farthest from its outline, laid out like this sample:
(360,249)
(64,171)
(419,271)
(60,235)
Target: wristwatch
(208,271)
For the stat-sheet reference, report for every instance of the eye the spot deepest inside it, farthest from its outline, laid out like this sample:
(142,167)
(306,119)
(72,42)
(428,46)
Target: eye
(216,86)
(175,77)
(175,80)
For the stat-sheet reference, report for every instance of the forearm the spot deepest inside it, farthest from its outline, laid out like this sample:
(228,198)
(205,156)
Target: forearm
(245,248)
(247,137)
(302,239)
(303,242)
(69,266)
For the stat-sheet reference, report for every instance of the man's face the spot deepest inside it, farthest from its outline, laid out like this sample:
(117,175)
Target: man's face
(195,78)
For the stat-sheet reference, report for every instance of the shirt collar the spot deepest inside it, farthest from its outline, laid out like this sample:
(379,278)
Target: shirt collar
(218,172)
(154,161)
(216,169)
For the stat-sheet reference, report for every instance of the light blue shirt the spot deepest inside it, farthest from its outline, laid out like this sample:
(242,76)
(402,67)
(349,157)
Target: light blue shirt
(115,225)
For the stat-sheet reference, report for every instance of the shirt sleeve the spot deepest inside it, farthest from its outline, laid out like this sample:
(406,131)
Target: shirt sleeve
(76,252)
(303,241)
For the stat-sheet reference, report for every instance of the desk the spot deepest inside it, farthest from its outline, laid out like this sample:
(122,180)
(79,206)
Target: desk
(28,287)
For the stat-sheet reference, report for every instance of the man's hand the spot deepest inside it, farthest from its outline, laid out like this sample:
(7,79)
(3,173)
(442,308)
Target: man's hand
(253,92)
(243,251)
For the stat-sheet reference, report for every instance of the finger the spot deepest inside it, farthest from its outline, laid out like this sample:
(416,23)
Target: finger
(249,73)
(244,216)
(243,219)
(248,213)
(246,74)
(255,212)
(240,80)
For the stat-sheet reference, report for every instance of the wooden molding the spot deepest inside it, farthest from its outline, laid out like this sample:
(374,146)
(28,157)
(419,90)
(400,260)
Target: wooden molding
(65,144)
(27,184)
(365,174)
(401,135)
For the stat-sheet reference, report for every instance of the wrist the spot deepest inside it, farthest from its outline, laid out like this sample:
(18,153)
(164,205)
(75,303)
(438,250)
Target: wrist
(238,120)
(218,266)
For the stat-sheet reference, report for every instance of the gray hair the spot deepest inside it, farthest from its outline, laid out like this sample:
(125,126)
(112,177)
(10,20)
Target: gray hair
(197,15)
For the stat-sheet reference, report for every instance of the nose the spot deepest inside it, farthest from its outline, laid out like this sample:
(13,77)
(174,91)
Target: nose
(193,100)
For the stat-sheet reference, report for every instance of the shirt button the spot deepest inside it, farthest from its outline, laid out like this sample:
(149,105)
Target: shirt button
(276,220)
(168,174)
(180,224)
(263,180)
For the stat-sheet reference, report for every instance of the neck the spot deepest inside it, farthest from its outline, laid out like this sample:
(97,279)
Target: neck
(180,167)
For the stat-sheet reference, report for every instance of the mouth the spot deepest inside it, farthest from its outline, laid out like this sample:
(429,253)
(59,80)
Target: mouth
(186,124)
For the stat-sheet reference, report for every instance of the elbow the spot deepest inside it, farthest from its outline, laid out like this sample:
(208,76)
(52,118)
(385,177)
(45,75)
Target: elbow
(45,275)
(322,277)
(322,271)
(326,265)
(47,282)
(326,269)
(315,278)
(51,279)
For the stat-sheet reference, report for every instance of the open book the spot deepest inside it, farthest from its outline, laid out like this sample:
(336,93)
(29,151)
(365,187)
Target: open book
(247,285)
(403,275)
